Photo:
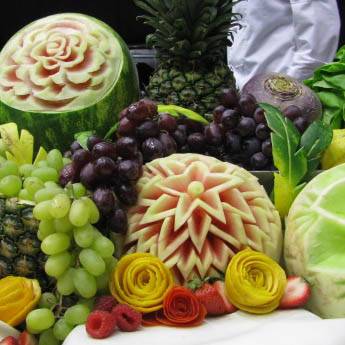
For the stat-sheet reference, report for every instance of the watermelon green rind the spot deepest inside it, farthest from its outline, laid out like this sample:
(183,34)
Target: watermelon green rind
(57,128)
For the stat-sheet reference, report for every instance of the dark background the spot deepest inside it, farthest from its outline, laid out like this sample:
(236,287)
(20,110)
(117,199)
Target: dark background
(120,14)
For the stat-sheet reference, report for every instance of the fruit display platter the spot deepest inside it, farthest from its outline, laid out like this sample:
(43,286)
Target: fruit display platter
(196,213)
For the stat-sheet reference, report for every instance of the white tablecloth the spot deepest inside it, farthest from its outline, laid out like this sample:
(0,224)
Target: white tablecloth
(293,327)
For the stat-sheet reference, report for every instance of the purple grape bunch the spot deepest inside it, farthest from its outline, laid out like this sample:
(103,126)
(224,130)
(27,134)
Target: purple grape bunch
(110,172)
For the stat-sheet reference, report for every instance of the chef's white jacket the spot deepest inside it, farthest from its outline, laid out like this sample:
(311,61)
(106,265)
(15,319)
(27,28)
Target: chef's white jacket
(287,36)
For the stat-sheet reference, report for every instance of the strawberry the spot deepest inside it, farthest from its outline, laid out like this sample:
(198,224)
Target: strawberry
(9,341)
(297,293)
(213,297)
(26,338)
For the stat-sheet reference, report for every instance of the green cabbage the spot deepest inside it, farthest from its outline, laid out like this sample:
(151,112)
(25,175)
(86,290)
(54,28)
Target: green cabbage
(315,241)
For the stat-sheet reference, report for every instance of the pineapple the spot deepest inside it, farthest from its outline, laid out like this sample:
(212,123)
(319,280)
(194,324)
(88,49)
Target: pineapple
(20,253)
(191,39)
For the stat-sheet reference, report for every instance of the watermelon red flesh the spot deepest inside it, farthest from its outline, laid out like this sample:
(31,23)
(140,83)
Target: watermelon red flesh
(54,102)
(197,234)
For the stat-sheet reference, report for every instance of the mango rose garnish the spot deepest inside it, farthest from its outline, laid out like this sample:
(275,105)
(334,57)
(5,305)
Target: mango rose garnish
(18,296)
(141,280)
(254,282)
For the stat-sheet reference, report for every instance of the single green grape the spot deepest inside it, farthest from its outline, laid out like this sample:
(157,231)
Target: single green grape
(42,210)
(102,282)
(46,174)
(77,315)
(51,184)
(88,302)
(84,236)
(39,320)
(79,213)
(10,185)
(60,206)
(57,264)
(8,168)
(54,159)
(93,210)
(66,161)
(63,224)
(84,283)
(55,243)
(110,263)
(92,262)
(103,247)
(33,184)
(25,170)
(25,195)
(78,190)
(41,164)
(62,329)
(48,300)
(47,194)
(45,228)
(65,284)
(47,338)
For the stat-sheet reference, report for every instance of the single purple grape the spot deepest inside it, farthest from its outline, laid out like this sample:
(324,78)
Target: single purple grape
(81,157)
(196,142)
(167,123)
(88,176)
(217,113)
(251,146)
(92,141)
(147,129)
(75,146)
(168,143)
(258,161)
(104,149)
(128,170)
(127,194)
(248,105)
(117,222)
(213,134)
(180,137)
(142,110)
(259,116)
(246,126)
(230,119)
(151,149)
(229,98)
(105,167)
(126,128)
(126,147)
(69,173)
(105,200)
(232,142)
(266,148)
(262,131)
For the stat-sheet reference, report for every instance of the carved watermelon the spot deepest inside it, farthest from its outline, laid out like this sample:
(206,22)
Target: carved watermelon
(195,212)
(63,74)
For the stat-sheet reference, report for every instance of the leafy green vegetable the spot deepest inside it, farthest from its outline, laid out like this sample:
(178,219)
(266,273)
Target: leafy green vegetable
(314,141)
(177,111)
(295,157)
(82,137)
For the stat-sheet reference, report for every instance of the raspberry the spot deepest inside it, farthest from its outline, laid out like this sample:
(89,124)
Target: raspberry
(105,303)
(100,324)
(127,319)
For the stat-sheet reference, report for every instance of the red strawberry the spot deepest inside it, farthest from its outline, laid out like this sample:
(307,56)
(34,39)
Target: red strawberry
(27,339)
(9,341)
(297,293)
(213,297)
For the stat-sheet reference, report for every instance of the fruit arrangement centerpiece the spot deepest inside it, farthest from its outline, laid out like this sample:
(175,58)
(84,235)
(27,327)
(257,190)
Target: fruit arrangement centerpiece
(148,212)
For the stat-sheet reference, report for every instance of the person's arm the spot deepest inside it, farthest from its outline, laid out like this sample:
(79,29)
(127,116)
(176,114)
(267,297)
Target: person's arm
(317,28)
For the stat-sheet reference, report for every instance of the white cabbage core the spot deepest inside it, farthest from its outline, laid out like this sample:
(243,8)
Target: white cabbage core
(61,62)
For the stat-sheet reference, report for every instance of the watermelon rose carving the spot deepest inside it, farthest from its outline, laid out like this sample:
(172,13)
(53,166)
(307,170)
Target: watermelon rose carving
(195,213)
(51,62)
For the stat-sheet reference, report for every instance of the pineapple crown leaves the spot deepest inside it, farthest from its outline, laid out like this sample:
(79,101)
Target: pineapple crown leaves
(19,148)
(190,31)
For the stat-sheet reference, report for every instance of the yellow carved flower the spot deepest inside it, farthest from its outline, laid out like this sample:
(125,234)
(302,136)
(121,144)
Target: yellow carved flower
(254,282)
(18,296)
(142,281)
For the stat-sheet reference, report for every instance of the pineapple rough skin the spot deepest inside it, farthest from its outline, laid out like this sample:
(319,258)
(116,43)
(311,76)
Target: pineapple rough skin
(191,39)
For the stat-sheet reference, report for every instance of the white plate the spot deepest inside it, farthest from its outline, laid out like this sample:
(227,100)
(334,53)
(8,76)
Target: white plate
(6,330)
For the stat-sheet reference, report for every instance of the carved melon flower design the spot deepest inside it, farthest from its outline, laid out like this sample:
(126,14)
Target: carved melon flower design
(195,213)
(61,62)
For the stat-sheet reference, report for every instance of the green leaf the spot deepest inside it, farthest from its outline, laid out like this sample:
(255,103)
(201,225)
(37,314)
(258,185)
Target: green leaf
(82,137)
(289,158)
(336,80)
(341,54)
(314,141)
(177,111)
(112,130)
(331,99)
